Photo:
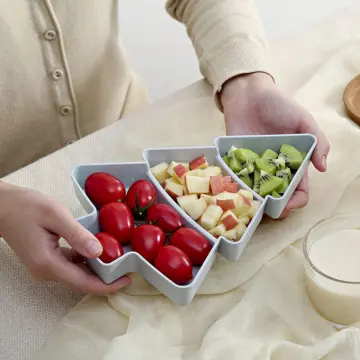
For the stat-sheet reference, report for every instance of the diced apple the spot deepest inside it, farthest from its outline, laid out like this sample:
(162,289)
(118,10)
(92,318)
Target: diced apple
(244,219)
(197,185)
(240,229)
(170,170)
(246,193)
(231,234)
(180,172)
(231,187)
(183,200)
(243,206)
(196,208)
(255,204)
(211,216)
(197,172)
(210,200)
(229,220)
(160,172)
(173,189)
(216,184)
(226,179)
(172,180)
(218,230)
(198,163)
(211,171)
(226,200)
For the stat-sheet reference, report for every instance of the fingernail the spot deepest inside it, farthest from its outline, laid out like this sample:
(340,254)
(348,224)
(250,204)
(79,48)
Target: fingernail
(324,162)
(93,247)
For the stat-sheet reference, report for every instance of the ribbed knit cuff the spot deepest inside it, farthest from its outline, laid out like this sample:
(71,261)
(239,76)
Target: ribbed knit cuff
(243,56)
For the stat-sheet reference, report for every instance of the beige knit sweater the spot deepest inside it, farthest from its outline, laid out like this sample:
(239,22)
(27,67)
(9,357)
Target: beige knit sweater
(64,74)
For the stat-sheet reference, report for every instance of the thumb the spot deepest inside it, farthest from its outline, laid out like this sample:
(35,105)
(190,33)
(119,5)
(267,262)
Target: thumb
(60,222)
(319,157)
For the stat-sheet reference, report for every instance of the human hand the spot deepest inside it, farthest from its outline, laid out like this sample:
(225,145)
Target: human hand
(253,104)
(32,224)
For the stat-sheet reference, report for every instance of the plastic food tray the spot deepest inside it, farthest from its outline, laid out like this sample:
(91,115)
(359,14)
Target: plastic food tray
(130,172)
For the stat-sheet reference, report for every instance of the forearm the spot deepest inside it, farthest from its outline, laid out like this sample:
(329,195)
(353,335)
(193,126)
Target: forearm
(227,35)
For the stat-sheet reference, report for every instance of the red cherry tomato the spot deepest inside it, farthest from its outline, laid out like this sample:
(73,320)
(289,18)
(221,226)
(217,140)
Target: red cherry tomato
(164,216)
(117,220)
(140,196)
(192,243)
(147,240)
(111,247)
(174,264)
(102,189)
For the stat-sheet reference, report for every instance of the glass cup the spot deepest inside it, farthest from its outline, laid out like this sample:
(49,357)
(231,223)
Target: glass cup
(332,269)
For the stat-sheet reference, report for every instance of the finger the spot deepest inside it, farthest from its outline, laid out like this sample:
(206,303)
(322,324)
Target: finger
(319,157)
(72,255)
(300,197)
(60,222)
(80,277)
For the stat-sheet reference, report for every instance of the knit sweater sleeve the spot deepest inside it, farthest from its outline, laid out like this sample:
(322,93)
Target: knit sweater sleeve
(227,35)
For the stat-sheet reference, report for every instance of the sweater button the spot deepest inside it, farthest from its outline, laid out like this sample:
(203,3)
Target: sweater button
(50,35)
(65,110)
(57,74)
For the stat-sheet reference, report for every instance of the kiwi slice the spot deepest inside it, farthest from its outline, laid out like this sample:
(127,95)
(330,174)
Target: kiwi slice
(275,194)
(247,158)
(230,152)
(303,154)
(270,165)
(256,187)
(226,160)
(269,154)
(291,155)
(285,176)
(268,183)
(244,176)
(235,164)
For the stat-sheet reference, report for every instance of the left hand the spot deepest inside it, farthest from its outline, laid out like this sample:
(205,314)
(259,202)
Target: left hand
(253,104)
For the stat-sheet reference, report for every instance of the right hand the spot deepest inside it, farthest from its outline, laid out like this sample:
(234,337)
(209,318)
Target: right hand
(32,224)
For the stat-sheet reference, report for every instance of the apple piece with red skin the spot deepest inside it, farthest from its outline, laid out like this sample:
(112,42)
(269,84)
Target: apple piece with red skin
(231,187)
(246,193)
(160,172)
(210,200)
(197,185)
(197,172)
(226,179)
(229,219)
(211,216)
(180,172)
(173,189)
(226,200)
(195,208)
(198,163)
(172,165)
(243,206)
(216,184)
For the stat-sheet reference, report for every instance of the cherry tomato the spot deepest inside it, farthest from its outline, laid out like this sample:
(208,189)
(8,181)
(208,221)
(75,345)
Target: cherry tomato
(192,243)
(111,247)
(117,220)
(174,264)
(140,196)
(102,189)
(147,240)
(164,216)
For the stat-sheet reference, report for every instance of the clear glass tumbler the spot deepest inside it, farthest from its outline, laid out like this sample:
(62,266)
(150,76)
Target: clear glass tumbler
(332,268)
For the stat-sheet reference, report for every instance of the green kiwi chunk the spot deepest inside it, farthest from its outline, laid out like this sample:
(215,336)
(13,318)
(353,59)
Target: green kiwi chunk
(256,187)
(303,154)
(268,183)
(231,153)
(247,158)
(275,194)
(270,165)
(291,155)
(269,154)
(245,177)
(285,176)
(226,160)
(235,164)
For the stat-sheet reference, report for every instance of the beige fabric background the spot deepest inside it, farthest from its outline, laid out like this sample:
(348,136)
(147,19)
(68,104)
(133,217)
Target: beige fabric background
(236,315)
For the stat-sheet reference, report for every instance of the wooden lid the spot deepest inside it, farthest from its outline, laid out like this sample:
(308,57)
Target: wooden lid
(352,99)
